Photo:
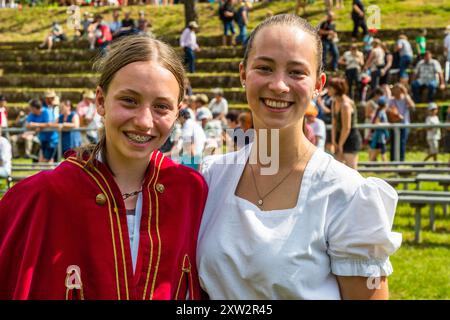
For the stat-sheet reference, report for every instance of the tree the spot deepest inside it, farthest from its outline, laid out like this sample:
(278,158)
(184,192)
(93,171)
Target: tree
(190,11)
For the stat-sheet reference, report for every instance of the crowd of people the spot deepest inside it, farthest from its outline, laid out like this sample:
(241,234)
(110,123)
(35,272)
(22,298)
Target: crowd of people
(98,32)
(38,142)
(386,83)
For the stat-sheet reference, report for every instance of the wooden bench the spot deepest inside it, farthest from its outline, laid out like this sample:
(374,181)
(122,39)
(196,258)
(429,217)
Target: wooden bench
(403,163)
(418,202)
(404,171)
(396,181)
(442,179)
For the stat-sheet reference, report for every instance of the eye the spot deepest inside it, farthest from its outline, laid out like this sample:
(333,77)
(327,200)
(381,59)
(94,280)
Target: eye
(162,106)
(297,73)
(263,68)
(129,101)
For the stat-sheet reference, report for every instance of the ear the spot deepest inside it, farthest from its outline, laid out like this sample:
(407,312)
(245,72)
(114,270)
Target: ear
(100,98)
(242,74)
(320,83)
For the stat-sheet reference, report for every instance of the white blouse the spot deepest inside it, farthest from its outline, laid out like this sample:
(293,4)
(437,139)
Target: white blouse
(341,225)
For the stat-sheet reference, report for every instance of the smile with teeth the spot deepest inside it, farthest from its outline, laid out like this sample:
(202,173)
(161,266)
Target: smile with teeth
(138,138)
(276,104)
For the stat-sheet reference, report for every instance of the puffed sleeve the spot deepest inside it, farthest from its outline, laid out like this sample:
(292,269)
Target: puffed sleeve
(359,237)
(205,167)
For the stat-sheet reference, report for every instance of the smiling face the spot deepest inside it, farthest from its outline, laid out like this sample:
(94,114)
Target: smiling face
(139,110)
(281,76)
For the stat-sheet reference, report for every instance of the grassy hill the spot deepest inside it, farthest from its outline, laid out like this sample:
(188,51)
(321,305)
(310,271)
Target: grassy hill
(32,24)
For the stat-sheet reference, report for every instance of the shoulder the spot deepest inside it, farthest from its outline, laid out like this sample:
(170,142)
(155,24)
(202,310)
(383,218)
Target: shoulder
(331,172)
(184,174)
(216,167)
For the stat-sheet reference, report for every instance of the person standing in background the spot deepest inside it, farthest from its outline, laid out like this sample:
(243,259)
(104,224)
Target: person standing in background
(188,42)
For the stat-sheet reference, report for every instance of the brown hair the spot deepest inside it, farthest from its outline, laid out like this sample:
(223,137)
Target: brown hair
(123,51)
(339,85)
(287,20)
(245,118)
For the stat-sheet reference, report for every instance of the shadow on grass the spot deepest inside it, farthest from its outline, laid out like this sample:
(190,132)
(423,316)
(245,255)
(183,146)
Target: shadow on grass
(424,245)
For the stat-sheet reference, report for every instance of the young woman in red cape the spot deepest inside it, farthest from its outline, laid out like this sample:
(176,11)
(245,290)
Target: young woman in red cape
(117,220)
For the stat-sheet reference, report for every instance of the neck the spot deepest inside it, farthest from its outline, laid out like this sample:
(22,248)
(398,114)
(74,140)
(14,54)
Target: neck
(292,145)
(128,174)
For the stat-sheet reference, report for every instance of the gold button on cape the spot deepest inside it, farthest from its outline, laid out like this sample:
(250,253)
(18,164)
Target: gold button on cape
(160,188)
(100,199)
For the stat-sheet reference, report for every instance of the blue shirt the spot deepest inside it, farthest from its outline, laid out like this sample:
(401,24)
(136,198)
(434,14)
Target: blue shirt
(402,108)
(44,117)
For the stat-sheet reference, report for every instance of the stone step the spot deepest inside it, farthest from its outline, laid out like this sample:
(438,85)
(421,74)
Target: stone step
(55,81)
(88,55)
(216,40)
(83,54)
(233,95)
(205,65)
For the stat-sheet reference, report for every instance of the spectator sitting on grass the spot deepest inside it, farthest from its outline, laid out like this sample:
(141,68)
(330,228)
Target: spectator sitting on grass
(219,104)
(428,74)
(115,25)
(56,34)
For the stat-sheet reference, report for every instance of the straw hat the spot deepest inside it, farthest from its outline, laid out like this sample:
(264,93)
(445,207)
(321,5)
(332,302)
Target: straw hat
(89,94)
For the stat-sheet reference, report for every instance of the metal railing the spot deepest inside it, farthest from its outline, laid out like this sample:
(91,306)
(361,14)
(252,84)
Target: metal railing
(391,126)
(59,150)
(396,128)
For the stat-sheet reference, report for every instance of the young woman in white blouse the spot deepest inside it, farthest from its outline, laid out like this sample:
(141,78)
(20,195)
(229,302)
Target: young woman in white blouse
(314,230)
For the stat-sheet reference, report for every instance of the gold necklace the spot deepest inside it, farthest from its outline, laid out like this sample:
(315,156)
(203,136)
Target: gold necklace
(260,201)
(125,196)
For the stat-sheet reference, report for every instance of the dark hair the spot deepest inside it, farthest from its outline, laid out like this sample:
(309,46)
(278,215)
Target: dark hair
(35,103)
(377,92)
(339,85)
(232,115)
(287,20)
(184,113)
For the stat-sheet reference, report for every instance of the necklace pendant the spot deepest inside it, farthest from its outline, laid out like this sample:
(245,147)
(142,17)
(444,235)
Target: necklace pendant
(260,202)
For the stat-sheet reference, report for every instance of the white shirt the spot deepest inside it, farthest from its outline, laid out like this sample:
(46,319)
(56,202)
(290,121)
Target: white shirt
(5,155)
(192,132)
(353,61)
(320,131)
(433,133)
(341,225)
(218,107)
(447,45)
(188,39)
(95,123)
(4,118)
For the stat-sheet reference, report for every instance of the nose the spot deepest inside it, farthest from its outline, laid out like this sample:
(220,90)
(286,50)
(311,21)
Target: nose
(143,119)
(278,84)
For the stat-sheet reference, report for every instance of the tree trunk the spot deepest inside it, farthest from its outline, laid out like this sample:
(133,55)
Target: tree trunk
(190,12)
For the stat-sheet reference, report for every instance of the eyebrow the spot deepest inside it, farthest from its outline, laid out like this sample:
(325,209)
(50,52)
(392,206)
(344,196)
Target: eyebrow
(124,91)
(291,62)
(128,91)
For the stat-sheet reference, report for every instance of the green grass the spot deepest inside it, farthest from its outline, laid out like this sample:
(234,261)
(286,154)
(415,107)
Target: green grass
(169,21)
(421,271)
